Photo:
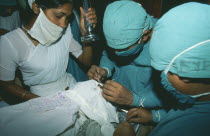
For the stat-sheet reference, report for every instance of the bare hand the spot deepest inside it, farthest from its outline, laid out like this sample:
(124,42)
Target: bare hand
(3,31)
(90,16)
(124,129)
(117,93)
(139,115)
(97,73)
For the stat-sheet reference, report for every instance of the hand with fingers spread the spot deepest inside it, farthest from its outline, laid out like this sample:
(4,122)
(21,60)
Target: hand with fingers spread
(117,93)
(97,73)
(90,16)
(139,115)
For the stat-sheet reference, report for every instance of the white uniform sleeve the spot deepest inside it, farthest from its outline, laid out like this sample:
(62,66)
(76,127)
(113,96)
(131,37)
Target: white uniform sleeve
(74,47)
(8,59)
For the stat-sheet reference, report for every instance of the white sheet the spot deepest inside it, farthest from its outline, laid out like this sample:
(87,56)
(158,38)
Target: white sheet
(94,106)
(44,116)
(51,115)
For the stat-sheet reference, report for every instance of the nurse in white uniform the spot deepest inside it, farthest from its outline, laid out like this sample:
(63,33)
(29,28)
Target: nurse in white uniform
(40,50)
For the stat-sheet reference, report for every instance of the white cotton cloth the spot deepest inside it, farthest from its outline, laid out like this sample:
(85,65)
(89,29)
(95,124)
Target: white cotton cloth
(38,64)
(3,104)
(10,22)
(67,80)
(88,96)
(43,116)
(51,115)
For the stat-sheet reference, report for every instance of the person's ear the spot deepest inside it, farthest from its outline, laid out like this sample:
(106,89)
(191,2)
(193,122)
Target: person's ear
(145,36)
(35,8)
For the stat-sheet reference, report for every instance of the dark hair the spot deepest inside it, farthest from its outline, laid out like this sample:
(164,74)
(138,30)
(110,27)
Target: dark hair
(45,4)
(28,14)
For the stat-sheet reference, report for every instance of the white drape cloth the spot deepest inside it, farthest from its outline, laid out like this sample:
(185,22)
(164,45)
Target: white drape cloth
(88,96)
(67,80)
(44,116)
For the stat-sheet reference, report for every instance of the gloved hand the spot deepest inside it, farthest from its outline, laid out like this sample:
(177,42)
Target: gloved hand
(97,73)
(139,115)
(117,93)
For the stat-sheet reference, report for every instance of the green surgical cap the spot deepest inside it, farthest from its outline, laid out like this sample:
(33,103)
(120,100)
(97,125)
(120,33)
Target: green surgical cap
(124,23)
(179,29)
(8,2)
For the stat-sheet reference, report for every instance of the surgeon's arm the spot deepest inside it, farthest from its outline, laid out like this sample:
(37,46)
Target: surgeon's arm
(142,115)
(158,115)
(13,90)
(147,98)
(146,95)
(106,63)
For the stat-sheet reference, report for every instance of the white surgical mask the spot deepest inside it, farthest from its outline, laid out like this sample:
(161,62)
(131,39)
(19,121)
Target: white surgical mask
(172,61)
(45,31)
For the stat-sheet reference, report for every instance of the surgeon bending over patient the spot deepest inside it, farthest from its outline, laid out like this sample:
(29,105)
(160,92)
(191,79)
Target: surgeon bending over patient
(184,61)
(127,29)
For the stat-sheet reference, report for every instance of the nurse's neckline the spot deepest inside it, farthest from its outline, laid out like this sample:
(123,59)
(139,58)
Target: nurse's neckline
(34,41)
